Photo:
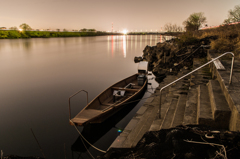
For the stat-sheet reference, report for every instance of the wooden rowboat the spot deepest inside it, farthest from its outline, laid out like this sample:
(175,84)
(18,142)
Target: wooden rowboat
(111,100)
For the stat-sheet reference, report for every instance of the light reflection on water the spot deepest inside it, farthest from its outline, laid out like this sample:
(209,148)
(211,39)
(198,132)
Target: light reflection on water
(38,76)
(126,42)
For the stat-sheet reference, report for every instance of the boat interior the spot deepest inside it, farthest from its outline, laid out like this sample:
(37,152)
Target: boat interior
(116,94)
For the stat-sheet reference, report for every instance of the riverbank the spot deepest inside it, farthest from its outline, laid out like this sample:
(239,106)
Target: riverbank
(15,34)
(187,121)
(173,55)
(205,100)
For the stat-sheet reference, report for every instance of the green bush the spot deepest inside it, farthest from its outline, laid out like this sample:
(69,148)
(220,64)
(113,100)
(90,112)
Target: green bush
(3,34)
(14,34)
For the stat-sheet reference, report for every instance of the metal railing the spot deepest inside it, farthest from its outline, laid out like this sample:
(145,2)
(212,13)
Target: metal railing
(69,105)
(230,80)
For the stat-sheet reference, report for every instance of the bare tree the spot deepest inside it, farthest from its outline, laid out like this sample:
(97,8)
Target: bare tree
(172,28)
(233,15)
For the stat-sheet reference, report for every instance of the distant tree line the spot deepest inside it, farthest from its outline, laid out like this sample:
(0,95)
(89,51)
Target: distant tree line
(197,20)
(87,30)
(193,23)
(15,34)
(26,31)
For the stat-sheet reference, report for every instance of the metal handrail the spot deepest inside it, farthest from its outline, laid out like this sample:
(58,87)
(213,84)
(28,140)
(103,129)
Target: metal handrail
(230,80)
(69,105)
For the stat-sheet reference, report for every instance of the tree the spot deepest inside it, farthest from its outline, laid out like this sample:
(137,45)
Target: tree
(83,30)
(25,27)
(194,21)
(172,28)
(233,15)
(91,30)
(13,28)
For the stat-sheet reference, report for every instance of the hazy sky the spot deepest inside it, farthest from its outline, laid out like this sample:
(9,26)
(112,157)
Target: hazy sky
(100,14)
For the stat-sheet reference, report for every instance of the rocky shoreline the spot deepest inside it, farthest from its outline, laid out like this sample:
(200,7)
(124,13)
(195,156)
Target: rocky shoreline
(169,57)
(183,141)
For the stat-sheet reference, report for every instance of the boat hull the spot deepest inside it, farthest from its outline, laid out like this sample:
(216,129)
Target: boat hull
(107,103)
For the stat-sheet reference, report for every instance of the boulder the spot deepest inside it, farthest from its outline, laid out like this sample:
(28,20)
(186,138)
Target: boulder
(138,59)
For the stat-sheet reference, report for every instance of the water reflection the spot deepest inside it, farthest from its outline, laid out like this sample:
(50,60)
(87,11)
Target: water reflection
(27,45)
(140,40)
(136,42)
(112,45)
(130,42)
(124,46)
(15,45)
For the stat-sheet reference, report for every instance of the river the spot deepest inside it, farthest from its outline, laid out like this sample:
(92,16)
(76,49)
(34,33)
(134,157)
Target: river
(38,76)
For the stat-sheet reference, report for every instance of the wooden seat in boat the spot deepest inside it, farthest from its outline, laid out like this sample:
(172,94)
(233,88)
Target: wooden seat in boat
(86,115)
(126,89)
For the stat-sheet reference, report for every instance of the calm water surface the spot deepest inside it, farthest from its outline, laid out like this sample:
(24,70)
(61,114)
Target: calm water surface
(38,76)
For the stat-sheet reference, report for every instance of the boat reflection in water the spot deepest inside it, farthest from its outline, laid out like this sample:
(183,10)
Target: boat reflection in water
(94,132)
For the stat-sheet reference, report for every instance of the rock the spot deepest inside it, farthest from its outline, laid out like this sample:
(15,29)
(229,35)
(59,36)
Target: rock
(167,55)
(159,45)
(138,59)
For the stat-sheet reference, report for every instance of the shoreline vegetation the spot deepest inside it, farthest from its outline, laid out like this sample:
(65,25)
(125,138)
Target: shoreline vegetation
(16,34)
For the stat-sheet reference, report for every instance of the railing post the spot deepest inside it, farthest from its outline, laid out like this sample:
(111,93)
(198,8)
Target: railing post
(230,79)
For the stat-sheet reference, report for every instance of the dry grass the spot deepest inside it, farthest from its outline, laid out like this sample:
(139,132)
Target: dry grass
(228,38)
(224,38)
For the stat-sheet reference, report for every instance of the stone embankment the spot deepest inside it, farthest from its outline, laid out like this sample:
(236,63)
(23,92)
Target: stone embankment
(204,99)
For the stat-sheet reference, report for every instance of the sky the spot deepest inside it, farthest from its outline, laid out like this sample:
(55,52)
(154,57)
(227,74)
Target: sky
(101,14)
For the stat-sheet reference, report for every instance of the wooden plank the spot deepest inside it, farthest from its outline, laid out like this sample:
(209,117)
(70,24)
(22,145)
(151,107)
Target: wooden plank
(86,115)
(218,65)
(126,89)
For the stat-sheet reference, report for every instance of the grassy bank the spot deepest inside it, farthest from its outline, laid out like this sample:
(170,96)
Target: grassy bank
(14,34)
(224,38)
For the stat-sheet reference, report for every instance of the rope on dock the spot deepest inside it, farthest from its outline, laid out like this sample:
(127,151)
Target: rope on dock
(86,139)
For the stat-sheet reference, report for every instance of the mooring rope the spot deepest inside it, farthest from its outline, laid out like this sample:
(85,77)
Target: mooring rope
(82,137)
(86,148)
(86,139)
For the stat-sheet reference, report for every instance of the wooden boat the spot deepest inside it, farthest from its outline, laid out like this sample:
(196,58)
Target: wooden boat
(111,100)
